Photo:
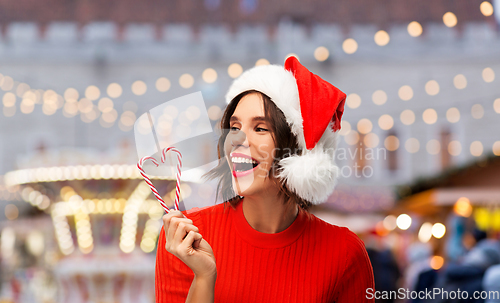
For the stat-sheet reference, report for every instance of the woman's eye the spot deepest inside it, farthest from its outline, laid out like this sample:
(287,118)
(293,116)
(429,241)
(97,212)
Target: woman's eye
(260,129)
(234,129)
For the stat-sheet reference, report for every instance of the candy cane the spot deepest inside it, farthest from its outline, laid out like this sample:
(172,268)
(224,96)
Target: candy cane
(178,175)
(148,181)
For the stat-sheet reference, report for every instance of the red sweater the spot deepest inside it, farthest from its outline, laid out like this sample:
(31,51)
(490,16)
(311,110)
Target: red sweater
(310,261)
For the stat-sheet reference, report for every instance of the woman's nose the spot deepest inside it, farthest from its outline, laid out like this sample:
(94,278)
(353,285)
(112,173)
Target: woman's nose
(238,138)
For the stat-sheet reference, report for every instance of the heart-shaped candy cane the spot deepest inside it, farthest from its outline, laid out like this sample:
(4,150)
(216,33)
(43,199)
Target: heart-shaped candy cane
(178,176)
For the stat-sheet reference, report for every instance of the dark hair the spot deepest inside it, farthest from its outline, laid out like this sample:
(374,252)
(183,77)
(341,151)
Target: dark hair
(285,142)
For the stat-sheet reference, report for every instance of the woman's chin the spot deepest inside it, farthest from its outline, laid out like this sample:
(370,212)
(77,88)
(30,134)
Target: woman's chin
(243,186)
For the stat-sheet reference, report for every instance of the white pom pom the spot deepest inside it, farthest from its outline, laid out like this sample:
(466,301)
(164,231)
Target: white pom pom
(312,176)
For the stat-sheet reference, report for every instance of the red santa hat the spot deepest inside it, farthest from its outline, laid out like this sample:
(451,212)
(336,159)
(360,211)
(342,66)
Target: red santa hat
(313,109)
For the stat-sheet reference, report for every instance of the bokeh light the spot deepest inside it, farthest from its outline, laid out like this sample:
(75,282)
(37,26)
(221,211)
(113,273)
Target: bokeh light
(414,29)
(162,84)
(209,75)
(381,38)
(379,97)
(234,70)
(114,90)
(476,148)
(186,80)
(385,122)
(433,147)
(350,46)
(139,88)
(364,126)
(92,93)
(405,93)
(391,143)
(353,100)
(486,8)
(262,61)
(488,75)
(403,221)
(454,148)
(449,19)
(407,117)
(453,115)
(460,81)
(321,53)
(432,88)
(429,116)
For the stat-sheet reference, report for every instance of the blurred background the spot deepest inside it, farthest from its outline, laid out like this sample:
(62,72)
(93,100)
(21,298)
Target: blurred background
(419,151)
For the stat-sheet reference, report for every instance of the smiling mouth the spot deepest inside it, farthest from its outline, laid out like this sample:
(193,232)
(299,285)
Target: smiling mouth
(243,163)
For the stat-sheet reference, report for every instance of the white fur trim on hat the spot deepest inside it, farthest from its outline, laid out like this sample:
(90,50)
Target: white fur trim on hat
(312,175)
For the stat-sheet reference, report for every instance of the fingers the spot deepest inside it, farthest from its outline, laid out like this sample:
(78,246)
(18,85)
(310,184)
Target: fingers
(176,227)
(186,247)
(182,229)
(172,214)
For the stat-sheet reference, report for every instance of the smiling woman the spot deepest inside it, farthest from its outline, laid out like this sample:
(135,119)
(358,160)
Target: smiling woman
(276,159)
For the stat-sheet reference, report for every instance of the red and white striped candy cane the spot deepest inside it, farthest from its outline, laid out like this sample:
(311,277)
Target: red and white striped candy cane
(178,175)
(148,181)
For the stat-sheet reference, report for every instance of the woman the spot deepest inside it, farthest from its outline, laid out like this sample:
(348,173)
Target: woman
(261,244)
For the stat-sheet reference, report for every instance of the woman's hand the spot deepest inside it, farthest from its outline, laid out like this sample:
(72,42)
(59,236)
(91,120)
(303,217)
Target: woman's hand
(184,242)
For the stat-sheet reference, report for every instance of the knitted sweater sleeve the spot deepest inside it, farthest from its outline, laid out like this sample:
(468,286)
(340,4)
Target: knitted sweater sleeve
(357,278)
(173,278)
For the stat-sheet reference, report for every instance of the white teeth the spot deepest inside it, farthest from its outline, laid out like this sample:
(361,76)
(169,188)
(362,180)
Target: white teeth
(242,160)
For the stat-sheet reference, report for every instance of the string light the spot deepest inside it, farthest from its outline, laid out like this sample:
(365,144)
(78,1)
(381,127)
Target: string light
(92,92)
(430,116)
(438,230)
(162,84)
(391,143)
(371,140)
(381,38)
(139,88)
(379,97)
(477,111)
(425,232)
(433,147)
(186,81)
(496,148)
(449,19)
(234,70)
(414,29)
(454,148)
(486,8)
(262,62)
(460,81)
(432,88)
(114,90)
(385,122)
(345,128)
(405,93)
(364,126)
(130,217)
(412,145)
(488,75)
(453,115)
(353,100)
(321,53)
(476,148)
(352,137)
(209,75)
(403,221)
(407,117)
(350,46)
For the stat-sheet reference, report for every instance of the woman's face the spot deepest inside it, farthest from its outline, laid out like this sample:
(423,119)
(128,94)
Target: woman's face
(250,147)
